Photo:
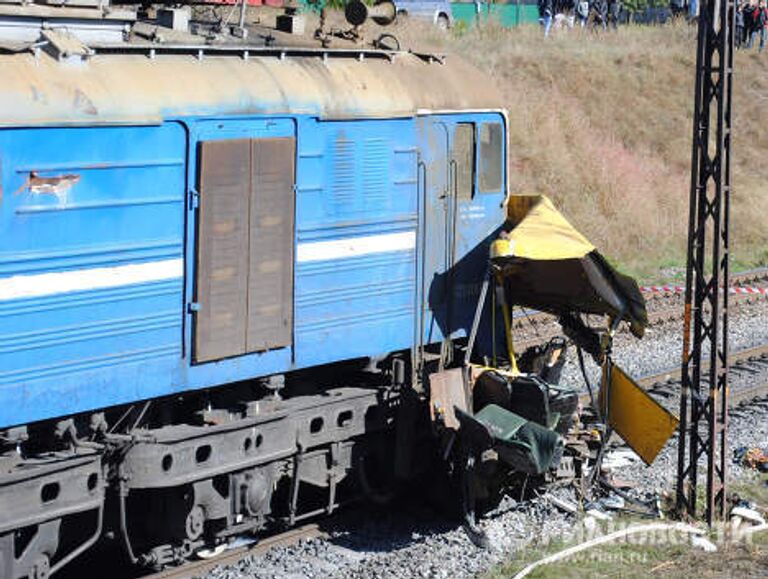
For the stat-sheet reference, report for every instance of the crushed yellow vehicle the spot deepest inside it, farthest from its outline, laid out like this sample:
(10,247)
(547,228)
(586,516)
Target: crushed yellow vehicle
(546,264)
(543,262)
(504,406)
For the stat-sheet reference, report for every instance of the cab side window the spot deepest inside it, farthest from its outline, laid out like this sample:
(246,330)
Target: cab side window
(491,157)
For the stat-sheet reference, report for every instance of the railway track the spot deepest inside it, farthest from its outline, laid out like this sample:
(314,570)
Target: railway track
(744,365)
(664,385)
(532,328)
(663,308)
(201,567)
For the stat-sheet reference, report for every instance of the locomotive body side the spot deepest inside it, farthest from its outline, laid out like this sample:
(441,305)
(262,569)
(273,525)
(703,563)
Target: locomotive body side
(147,260)
(186,228)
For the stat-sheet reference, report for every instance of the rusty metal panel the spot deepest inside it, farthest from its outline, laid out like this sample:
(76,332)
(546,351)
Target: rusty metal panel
(463,154)
(222,258)
(446,392)
(270,279)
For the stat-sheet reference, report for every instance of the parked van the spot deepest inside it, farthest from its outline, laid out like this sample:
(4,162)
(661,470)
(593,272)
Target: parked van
(438,12)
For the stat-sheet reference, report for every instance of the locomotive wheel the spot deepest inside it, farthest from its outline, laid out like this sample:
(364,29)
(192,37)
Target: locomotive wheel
(195,522)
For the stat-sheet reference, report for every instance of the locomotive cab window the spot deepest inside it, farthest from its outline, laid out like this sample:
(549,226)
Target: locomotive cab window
(464,160)
(491,157)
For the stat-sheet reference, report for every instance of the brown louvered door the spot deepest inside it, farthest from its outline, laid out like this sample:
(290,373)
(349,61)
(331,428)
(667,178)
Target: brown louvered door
(222,258)
(245,247)
(270,280)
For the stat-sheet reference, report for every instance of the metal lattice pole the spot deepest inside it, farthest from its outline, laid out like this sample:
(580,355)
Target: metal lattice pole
(704,398)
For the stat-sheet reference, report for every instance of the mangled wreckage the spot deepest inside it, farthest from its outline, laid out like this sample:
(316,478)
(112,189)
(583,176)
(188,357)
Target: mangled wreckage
(507,417)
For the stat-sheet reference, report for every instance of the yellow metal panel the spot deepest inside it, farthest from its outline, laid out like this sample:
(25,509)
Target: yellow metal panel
(643,423)
(540,232)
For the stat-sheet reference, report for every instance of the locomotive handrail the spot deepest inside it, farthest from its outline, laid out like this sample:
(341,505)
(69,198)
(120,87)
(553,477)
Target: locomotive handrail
(244,51)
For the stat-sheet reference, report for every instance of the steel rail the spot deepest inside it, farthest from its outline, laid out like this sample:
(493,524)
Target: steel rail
(661,380)
(670,378)
(545,325)
(199,568)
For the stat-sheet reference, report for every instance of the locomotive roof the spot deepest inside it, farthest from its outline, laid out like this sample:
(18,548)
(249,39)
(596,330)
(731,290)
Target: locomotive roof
(144,82)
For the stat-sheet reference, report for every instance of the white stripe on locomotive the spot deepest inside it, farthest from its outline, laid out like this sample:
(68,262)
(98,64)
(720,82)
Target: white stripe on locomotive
(355,246)
(46,284)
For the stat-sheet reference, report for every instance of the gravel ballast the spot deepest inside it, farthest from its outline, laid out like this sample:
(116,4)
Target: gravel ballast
(415,541)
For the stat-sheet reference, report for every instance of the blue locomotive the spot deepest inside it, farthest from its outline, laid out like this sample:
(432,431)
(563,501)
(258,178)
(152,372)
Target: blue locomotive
(174,223)
(223,265)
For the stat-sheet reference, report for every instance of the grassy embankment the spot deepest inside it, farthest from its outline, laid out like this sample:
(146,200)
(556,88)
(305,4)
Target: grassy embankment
(657,555)
(602,123)
(632,560)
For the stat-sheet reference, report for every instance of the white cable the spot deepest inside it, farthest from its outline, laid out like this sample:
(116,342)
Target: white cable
(680,527)
(757,529)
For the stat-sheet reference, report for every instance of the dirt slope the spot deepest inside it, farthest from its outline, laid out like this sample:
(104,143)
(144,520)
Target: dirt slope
(602,122)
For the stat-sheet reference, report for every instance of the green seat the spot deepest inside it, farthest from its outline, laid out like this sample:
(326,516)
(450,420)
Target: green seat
(502,424)
(521,443)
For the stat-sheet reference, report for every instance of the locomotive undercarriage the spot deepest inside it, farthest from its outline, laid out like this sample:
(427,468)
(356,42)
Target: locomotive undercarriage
(171,478)
(48,504)
(177,477)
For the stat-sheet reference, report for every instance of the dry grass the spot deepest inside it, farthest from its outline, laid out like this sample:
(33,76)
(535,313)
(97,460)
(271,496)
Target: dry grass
(632,561)
(602,123)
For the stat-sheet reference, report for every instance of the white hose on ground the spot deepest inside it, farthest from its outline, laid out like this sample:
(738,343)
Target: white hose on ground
(753,530)
(679,527)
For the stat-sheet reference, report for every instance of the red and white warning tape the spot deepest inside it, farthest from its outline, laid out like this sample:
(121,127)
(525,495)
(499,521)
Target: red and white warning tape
(662,289)
(678,289)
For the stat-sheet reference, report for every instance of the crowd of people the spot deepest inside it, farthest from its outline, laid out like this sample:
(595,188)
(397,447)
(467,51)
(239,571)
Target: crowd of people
(751,16)
(604,13)
(751,22)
